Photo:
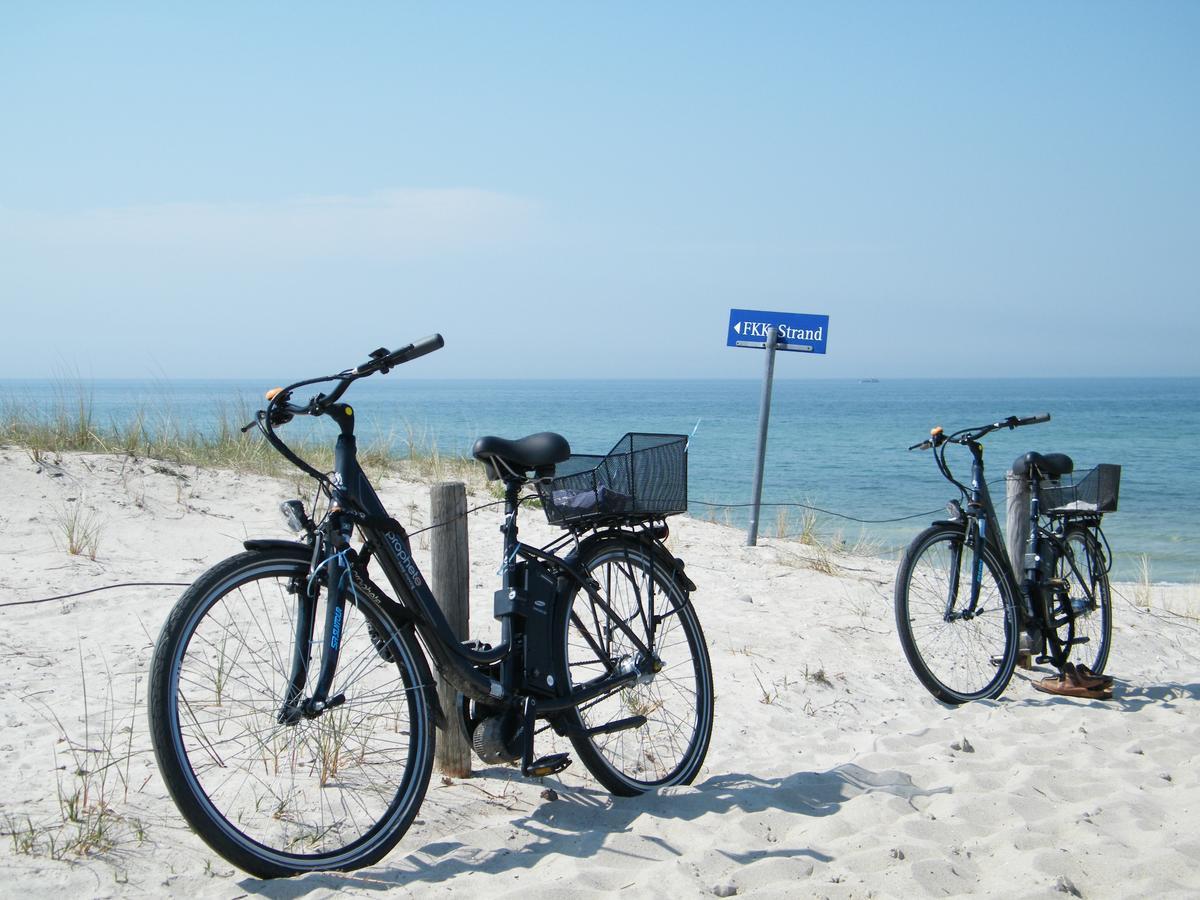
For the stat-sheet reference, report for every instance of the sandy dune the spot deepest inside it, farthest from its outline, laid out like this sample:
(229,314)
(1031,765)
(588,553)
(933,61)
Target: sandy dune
(831,772)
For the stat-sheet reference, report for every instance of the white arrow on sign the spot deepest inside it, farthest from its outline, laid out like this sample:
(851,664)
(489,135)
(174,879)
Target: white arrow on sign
(738,327)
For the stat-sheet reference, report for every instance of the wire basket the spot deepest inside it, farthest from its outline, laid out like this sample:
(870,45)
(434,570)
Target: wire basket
(643,477)
(1095,491)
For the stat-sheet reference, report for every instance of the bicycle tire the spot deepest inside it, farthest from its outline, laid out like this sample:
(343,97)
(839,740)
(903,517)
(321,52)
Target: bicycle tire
(677,702)
(1085,571)
(957,660)
(332,792)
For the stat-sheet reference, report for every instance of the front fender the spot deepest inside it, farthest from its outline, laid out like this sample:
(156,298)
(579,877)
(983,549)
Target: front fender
(302,550)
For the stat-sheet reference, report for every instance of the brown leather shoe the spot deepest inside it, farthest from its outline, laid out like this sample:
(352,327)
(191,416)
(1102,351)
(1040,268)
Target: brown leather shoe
(1067,685)
(1083,673)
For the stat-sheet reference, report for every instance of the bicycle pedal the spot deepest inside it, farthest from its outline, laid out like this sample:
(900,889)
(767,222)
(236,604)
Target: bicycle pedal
(547,765)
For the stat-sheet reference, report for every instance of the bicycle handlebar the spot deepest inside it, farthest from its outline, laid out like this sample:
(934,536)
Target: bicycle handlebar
(969,437)
(382,361)
(280,410)
(937,438)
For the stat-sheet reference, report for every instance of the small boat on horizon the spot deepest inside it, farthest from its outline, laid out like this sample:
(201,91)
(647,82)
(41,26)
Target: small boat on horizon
(868,381)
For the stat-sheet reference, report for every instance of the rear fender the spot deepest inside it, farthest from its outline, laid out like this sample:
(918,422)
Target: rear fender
(665,561)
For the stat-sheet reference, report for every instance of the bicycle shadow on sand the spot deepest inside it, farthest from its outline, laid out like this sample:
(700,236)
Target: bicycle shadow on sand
(579,824)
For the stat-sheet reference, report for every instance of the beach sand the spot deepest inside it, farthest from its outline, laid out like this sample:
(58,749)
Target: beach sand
(831,771)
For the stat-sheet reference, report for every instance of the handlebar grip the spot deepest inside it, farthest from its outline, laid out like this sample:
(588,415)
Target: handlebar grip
(417,348)
(1034,420)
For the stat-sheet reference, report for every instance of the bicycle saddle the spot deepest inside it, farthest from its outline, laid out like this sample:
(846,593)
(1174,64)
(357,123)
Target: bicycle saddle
(1048,465)
(537,451)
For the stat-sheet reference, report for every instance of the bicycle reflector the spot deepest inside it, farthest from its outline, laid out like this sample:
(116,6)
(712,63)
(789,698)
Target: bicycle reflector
(293,515)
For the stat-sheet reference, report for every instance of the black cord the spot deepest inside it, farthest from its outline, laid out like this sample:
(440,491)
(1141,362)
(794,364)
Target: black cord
(827,512)
(108,587)
(473,509)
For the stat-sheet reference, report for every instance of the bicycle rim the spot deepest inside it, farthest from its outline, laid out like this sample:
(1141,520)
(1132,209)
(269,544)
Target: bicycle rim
(957,658)
(1083,569)
(676,702)
(335,791)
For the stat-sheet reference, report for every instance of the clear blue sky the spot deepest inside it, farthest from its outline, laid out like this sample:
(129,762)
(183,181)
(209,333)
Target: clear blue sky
(271,189)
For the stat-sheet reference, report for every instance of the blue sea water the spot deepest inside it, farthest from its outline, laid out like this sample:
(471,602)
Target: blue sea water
(835,444)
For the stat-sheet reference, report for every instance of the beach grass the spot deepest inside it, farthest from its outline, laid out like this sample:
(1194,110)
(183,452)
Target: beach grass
(70,424)
(92,782)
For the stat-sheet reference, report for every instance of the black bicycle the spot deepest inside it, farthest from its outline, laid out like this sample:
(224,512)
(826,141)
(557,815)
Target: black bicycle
(960,611)
(291,705)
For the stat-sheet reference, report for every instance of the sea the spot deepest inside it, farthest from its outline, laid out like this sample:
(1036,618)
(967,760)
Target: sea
(838,445)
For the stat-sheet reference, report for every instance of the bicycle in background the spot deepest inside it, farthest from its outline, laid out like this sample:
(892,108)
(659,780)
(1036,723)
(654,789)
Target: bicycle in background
(960,610)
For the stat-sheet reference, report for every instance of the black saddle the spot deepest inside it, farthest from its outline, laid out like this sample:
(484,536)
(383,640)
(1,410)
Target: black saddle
(1046,465)
(537,452)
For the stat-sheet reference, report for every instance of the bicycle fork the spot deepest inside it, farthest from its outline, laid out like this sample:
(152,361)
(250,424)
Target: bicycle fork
(334,569)
(973,537)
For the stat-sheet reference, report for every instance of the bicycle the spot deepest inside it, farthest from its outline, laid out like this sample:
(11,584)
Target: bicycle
(295,736)
(960,610)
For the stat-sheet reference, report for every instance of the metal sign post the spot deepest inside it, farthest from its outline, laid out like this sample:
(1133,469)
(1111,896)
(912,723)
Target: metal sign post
(772,331)
(764,415)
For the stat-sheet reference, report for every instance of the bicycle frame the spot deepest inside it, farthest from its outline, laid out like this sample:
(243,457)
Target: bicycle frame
(982,529)
(355,503)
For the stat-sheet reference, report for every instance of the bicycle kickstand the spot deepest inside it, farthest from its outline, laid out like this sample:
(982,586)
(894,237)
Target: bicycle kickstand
(546,765)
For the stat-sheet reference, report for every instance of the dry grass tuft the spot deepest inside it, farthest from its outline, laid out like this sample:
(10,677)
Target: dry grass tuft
(80,529)
(1143,593)
(92,783)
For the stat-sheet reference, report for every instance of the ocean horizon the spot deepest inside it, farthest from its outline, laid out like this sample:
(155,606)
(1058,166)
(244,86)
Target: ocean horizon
(834,443)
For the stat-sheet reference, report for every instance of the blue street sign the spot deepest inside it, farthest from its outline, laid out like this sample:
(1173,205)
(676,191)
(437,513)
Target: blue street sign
(795,331)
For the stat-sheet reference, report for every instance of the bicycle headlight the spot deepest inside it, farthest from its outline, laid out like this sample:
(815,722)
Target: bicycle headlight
(293,515)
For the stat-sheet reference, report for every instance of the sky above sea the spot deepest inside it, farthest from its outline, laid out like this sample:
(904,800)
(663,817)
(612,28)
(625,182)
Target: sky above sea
(585,190)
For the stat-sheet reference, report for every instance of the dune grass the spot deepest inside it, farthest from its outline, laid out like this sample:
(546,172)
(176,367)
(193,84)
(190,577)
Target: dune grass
(70,425)
(92,780)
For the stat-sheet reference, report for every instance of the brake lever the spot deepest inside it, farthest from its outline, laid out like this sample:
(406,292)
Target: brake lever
(374,364)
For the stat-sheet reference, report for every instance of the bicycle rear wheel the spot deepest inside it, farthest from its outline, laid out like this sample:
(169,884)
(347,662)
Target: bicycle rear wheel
(336,791)
(1082,566)
(957,653)
(676,702)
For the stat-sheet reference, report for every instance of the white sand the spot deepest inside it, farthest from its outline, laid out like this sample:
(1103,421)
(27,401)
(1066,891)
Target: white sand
(846,783)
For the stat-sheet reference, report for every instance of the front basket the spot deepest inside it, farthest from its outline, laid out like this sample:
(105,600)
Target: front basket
(643,477)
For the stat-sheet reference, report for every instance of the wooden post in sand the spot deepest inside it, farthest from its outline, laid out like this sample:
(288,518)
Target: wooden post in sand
(451,586)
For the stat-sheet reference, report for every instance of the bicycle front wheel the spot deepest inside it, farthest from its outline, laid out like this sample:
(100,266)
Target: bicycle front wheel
(958,652)
(654,732)
(1083,568)
(277,798)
